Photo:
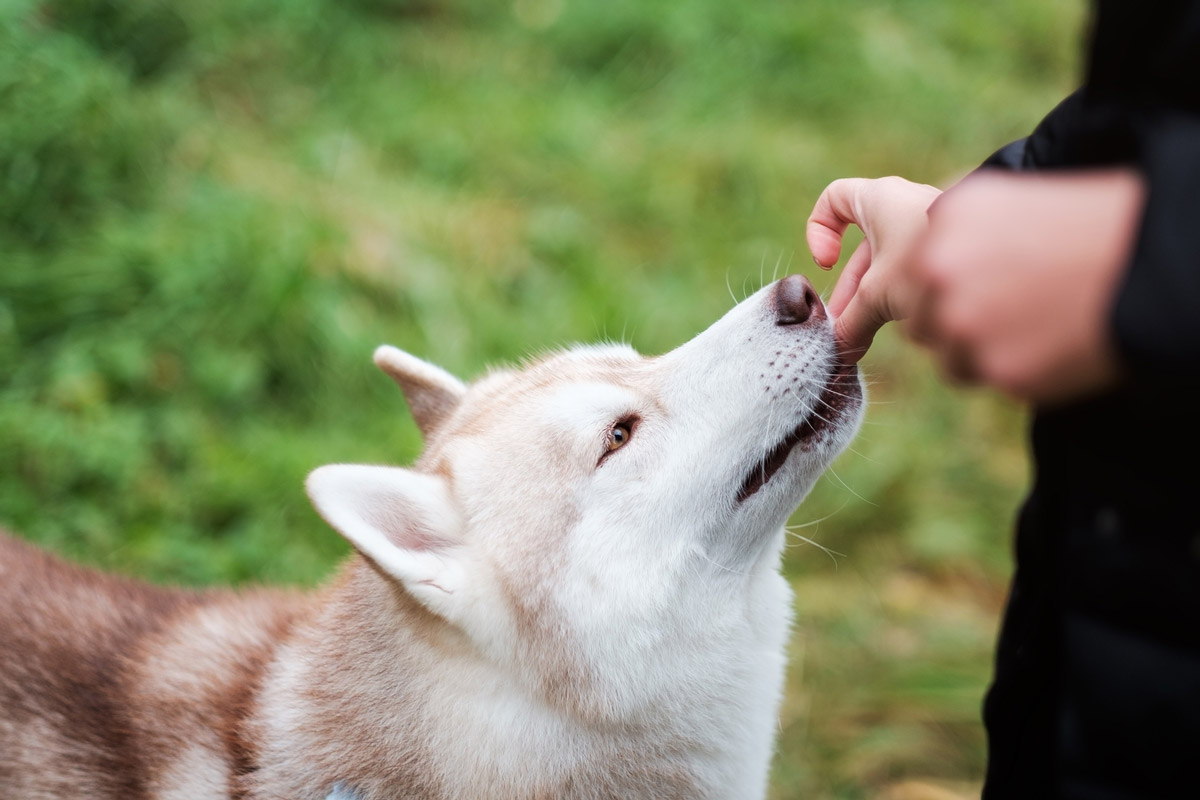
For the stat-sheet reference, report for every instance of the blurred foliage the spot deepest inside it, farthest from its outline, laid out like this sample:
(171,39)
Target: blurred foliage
(210,214)
(143,36)
(75,142)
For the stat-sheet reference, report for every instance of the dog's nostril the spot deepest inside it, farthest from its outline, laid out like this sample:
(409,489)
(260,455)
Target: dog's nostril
(796,301)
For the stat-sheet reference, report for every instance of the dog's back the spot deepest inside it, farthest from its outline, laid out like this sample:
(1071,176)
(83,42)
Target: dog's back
(82,709)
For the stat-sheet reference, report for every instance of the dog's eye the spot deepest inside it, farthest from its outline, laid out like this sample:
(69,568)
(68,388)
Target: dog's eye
(619,435)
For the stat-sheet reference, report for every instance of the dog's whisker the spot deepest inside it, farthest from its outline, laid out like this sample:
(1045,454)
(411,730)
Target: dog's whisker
(819,520)
(846,486)
(833,554)
(862,455)
(704,557)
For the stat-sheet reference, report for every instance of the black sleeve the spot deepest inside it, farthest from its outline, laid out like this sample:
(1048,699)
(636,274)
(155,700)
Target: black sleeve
(1156,313)
(1156,318)
(1140,107)
(1011,156)
(1143,101)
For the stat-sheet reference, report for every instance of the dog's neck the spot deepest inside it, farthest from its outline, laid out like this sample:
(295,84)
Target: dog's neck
(380,696)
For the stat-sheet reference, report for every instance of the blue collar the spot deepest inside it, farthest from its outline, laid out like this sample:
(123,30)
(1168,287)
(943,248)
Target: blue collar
(341,791)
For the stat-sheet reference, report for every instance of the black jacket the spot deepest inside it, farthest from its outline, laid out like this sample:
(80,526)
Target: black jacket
(1096,691)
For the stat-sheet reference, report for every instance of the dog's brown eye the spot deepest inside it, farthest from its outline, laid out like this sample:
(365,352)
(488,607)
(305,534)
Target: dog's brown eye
(618,436)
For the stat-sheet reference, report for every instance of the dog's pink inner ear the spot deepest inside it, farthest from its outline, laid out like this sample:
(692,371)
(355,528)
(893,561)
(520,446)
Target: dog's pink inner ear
(402,521)
(403,525)
(431,392)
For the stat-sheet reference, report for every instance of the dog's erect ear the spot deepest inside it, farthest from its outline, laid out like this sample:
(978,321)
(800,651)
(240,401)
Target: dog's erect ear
(403,521)
(432,393)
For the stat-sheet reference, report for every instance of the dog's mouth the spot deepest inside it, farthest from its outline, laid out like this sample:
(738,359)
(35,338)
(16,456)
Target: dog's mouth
(841,391)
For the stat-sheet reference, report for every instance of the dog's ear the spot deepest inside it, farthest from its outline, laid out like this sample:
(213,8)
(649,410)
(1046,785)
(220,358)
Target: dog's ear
(431,392)
(401,520)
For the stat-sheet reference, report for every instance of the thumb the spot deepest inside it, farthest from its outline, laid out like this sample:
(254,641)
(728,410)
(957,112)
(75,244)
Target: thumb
(855,328)
(852,275)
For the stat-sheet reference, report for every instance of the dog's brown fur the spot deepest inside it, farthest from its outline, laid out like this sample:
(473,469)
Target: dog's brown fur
(110,688)
(80,715)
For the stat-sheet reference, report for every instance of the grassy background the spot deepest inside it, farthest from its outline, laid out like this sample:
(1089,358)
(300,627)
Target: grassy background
(210,214)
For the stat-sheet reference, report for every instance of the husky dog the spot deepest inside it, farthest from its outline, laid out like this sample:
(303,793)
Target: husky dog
(573,593)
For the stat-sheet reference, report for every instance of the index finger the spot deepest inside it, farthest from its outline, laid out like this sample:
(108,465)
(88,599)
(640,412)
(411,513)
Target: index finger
(833,213)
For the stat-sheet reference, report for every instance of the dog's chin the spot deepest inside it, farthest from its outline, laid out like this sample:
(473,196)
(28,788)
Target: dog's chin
(835,408)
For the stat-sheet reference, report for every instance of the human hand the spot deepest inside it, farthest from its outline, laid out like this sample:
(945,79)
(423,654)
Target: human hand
(1016,277)
(872,289)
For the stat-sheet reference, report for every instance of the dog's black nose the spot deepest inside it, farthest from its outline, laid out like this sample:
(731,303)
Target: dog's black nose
(796,301)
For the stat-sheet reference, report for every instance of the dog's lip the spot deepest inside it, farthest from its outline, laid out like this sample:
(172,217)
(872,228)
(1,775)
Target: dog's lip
(841,390)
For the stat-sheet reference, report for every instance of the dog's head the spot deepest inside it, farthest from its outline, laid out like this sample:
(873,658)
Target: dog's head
(597,512)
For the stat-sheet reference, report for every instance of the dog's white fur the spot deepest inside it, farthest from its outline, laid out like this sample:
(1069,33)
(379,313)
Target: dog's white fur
(529,613)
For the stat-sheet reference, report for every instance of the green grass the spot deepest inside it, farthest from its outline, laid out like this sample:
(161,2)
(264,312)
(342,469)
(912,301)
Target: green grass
(211,213)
